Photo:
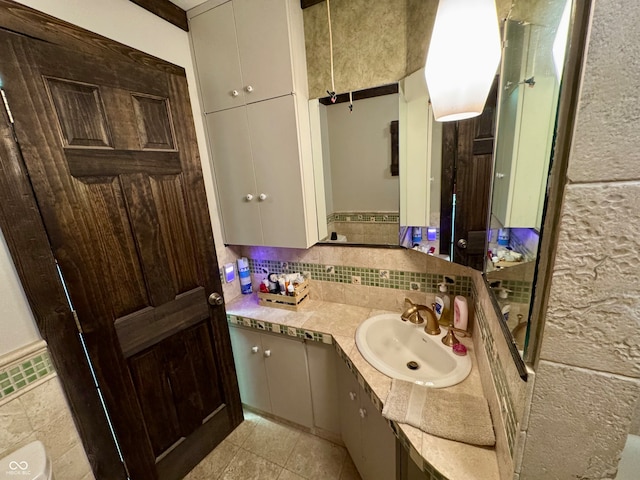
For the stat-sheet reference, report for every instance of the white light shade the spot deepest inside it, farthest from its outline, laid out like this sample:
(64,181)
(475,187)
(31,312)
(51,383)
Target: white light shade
(463,57)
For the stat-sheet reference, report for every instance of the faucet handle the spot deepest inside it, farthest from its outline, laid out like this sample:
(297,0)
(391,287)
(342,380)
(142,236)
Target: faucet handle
(408,300)
(450,339)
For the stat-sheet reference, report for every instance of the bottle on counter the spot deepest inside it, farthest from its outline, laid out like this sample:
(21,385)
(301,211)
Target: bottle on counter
(443,306)
(245,276)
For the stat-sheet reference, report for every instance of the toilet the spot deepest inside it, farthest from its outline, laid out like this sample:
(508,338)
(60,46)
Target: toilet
(27,463)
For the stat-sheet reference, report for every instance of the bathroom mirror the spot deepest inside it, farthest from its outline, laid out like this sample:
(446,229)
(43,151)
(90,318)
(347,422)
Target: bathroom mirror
(535,38)
(524,133)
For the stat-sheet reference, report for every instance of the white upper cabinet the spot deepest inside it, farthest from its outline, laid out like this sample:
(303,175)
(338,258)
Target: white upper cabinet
(250,59)
(243,53)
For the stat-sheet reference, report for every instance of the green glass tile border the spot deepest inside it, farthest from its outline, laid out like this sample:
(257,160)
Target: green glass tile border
(364,217)
(520,291)
(499,378)
(22,373)
(300,333)
(371,277)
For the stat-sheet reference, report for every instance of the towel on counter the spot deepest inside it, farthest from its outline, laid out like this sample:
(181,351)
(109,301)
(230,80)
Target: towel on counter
(456,416)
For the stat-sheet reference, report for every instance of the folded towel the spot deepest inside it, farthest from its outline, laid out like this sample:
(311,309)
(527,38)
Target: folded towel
(456,416)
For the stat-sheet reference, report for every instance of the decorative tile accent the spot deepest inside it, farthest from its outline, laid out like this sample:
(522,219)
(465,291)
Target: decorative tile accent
(371,277)
(24,372)
(367,217)
(499,378)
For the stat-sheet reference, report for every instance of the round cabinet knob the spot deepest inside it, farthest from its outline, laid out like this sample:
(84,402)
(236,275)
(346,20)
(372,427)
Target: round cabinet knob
(235,93)
(352,395)
(499,175)
(249,197)
(462,243)
(215,299)
(267,353)
(254,349)
(262,197)
(249,88)
(363,413)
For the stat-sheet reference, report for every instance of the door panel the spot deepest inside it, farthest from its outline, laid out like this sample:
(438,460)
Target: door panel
(114,168)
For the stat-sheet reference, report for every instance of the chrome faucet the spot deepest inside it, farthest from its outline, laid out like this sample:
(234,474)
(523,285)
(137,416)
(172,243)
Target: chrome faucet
(412,314)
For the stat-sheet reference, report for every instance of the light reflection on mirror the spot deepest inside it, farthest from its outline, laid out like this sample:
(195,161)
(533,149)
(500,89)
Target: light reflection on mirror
(527,105)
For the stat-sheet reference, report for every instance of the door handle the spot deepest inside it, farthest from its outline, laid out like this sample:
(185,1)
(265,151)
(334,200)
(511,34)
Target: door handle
(216,299)
(462,243)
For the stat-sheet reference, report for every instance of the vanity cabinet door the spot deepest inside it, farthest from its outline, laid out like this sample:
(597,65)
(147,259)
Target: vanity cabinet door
(264,48)
(215,47)
(285,360)
(235,178)
(378,443)
(349,405)
(252,376)
(324,386)
(273,375)
(278,170)
(366,434)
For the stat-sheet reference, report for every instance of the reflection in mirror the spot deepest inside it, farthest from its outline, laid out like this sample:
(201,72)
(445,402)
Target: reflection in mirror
(527,105)
(360,172)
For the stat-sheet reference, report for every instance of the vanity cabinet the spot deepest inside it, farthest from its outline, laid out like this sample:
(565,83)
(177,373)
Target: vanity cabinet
(252,77)
(365,433)
(273,374)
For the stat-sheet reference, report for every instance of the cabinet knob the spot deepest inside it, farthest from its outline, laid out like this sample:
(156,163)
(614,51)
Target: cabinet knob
(352,395)
(249,197)
(267,353)
(363,412)
(235,93)
(249,88)
(262,197)
(254,349)
(499,175)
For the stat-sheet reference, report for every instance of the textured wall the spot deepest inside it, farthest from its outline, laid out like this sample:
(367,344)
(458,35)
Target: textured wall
(374,42)
(587,383)
(369,44)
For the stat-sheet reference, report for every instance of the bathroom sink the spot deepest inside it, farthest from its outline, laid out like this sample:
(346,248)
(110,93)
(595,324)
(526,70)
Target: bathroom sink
(404,351)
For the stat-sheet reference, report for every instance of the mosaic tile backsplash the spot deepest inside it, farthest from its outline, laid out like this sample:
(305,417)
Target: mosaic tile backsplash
(17,376)
(372,277)
(376,217)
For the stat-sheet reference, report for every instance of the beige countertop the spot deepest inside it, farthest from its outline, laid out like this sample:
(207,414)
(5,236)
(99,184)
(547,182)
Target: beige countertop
(454,460)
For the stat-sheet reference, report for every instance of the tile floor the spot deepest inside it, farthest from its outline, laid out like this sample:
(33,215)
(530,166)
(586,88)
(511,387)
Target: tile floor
(264,449)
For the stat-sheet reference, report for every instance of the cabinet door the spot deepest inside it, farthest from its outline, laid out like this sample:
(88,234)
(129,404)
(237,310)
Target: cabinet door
(263,45)
(324,386)
(215,47)
(378,443)
(235,178)
(277,164)
(252,377)
(349,406)
(288,377)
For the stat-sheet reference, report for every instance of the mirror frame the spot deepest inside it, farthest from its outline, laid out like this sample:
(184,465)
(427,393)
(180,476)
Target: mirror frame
(563,137)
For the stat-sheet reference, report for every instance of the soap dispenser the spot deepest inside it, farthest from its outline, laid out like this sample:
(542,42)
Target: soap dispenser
(443,306)
(503,300)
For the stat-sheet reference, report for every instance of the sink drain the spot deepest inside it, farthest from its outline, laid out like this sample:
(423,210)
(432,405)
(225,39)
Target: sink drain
(413,365)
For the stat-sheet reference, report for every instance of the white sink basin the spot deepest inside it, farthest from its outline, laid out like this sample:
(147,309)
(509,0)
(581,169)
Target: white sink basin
(389,344)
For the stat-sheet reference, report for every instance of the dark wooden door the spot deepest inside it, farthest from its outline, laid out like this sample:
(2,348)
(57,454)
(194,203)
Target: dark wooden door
(109,146)
(467,157)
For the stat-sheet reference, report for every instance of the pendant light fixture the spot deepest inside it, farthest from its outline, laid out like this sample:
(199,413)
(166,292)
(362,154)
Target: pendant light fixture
(463,57)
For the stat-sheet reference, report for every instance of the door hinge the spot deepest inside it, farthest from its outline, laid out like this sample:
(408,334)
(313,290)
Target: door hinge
(75,317)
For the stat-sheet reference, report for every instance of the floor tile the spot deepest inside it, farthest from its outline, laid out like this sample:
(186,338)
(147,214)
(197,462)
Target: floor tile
(272,440)
(287,475)
(315,458)
(349,470)
(247,466)
(212,466)
(242,431)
